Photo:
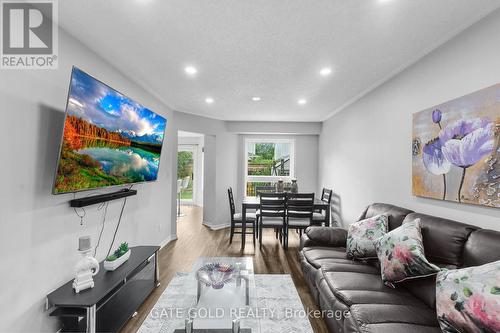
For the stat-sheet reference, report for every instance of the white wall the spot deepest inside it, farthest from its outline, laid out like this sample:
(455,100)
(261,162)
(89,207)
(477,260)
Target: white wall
(39,231)
(220,165)
(365,149)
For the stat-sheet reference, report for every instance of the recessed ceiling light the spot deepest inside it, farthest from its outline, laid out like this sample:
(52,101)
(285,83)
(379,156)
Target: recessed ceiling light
(256,98)
(190,70)
(302,101)
(325,71)
(209,100)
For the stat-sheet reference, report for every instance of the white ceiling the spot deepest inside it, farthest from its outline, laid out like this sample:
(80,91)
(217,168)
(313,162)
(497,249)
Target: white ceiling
(272,49)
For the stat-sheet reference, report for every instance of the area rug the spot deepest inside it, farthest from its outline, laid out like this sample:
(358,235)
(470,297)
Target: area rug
(276,307)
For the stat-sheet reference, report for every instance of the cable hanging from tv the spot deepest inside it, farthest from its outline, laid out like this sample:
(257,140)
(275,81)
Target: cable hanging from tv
(104,205)
(104,215)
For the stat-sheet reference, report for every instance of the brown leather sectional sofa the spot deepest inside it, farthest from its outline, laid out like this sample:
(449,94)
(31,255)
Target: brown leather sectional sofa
(353,290)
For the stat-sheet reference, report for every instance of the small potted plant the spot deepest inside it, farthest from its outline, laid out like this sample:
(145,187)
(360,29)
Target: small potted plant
(121,254)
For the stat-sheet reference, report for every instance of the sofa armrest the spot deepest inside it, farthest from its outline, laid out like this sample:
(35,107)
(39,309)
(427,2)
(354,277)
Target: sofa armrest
(324,236)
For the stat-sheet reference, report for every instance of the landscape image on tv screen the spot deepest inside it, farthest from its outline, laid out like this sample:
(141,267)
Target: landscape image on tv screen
(108,139)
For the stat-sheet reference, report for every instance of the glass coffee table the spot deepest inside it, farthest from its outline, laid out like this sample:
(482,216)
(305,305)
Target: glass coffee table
(225,294)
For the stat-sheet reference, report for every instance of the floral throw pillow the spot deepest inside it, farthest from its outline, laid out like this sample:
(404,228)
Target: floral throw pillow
(360,237)
(401,254)
(468,299)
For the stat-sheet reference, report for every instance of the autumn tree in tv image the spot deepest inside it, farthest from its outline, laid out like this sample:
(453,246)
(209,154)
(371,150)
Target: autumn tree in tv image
(108,139)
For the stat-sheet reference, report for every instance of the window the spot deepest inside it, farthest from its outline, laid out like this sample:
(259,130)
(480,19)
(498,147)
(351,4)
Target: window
(267,161)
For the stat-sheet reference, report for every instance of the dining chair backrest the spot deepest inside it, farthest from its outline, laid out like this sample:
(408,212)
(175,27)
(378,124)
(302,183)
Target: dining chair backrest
(232,207)
(326,195)
(272,204)
(300,205)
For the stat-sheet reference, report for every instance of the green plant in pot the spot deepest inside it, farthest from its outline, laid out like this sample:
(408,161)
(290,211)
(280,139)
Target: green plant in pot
(121,254)
(120,251)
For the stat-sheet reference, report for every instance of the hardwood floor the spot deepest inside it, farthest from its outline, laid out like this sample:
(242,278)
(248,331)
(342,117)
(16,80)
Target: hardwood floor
(197,240)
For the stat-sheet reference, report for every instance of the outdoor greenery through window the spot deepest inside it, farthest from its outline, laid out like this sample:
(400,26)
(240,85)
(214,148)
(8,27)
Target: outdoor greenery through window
(268,161)
(185,172)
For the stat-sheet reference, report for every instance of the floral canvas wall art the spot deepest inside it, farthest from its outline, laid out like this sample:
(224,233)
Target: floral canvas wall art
(456,150)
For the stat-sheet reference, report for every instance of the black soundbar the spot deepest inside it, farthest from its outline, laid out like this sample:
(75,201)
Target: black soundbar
(95,199)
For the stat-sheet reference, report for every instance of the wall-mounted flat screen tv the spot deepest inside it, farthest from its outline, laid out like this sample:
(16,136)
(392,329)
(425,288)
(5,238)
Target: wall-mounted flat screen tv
(108,138)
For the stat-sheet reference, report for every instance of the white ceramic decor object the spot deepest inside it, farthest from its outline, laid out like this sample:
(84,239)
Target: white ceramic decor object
(112,265)
(85,269)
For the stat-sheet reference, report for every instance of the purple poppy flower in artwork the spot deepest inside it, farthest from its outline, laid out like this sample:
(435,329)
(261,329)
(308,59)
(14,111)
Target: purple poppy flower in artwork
(433,158)
(467,141)
(435,162)
(436,116)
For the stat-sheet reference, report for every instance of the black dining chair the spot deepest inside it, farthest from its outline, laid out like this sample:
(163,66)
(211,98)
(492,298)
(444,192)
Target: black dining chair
(299,212)
(272,214)
(319,216)
(237,219)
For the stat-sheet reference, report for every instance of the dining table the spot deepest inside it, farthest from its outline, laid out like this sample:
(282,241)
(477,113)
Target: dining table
(253,203)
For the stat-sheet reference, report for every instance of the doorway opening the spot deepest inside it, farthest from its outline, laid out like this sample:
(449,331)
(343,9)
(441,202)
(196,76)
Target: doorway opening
(190,152)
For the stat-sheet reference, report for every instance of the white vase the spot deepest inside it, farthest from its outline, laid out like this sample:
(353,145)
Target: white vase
(280,187)
(112,265)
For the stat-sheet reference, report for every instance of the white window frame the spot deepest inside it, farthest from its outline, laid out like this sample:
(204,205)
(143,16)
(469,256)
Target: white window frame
(269,178)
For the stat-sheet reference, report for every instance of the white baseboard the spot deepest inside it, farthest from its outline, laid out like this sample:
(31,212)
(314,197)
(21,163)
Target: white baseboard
(167,240)
(216,227)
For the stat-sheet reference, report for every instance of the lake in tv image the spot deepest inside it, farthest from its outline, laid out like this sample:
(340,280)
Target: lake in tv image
(108,138)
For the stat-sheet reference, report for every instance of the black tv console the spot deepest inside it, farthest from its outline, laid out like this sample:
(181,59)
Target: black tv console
(114,298)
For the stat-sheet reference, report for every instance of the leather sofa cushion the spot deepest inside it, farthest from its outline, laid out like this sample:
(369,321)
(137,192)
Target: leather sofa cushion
(324,236)
(352,297)
(424,288)
(353,287)
(327,301)
(396,214)
(347,266)
(309,272)
(444,240)
(352,266)
(396,328)
(317,256)
(483,246)
(388,318)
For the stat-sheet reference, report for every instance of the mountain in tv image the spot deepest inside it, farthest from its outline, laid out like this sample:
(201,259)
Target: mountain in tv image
(108,138)
(147,138)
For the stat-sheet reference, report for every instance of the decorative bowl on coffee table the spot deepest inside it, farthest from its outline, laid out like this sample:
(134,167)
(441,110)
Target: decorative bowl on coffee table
(215,274)
(225,287)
